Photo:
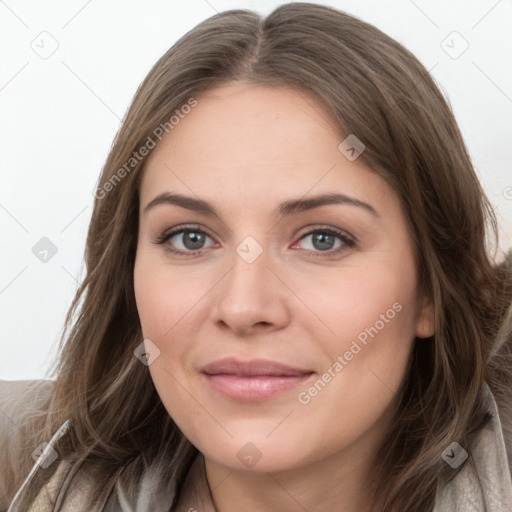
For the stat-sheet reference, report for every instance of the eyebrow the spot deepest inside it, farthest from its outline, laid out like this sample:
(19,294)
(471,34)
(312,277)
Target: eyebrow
(286,208)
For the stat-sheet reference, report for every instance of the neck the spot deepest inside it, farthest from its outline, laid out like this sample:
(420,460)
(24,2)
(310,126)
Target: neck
(343,481)
(325,485)
(340,482)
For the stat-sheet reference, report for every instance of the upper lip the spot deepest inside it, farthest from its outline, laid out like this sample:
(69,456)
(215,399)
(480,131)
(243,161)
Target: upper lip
(232,366)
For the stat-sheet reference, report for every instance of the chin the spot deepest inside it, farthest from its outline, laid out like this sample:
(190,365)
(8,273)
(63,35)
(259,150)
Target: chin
(255,453)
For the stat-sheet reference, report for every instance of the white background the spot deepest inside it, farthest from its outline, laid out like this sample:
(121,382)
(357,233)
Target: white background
(59,115)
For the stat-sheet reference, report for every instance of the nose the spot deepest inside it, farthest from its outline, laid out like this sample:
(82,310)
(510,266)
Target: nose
(251,297)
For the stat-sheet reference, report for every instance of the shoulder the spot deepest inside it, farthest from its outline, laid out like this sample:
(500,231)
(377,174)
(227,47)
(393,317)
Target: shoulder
(22,403)
(85,485)
(11,391)
(485,478)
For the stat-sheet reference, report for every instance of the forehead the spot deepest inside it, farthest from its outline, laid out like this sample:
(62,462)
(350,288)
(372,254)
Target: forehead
(253,141)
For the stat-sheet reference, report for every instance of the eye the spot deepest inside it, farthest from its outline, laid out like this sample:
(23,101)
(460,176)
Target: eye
(323,240)
(192,239)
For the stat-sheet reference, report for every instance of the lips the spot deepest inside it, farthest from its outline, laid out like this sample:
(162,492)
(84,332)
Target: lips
(252,381)
(255,367)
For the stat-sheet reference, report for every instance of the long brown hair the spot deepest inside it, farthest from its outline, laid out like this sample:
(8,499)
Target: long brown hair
(379,91)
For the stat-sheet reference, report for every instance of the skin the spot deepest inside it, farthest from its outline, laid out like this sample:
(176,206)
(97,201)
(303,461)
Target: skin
(245,149)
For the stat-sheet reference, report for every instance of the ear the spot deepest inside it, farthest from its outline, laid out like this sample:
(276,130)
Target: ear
(425,322)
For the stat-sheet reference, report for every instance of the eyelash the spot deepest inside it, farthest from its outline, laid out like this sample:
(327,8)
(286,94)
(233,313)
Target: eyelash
(348,242)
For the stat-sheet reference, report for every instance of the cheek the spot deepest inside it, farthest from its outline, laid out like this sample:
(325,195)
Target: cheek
(164,304)
(365,337)
(163,296)
(170,304)
(360,301)
(372,315)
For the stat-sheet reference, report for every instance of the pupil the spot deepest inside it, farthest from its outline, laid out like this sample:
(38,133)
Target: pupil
(195,238)
(321,239)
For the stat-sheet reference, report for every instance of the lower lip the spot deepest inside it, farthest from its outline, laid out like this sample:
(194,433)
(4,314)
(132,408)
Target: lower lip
(255,388)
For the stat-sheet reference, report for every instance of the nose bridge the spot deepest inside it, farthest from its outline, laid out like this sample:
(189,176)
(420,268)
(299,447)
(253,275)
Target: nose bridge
(249,272)
(250,293)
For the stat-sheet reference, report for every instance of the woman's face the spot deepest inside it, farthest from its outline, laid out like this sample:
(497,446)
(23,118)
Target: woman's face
(325,288)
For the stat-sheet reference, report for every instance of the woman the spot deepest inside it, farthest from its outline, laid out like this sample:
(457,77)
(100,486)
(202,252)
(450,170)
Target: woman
(289,302)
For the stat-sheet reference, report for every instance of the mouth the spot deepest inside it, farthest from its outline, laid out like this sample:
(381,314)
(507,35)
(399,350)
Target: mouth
(253,381)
